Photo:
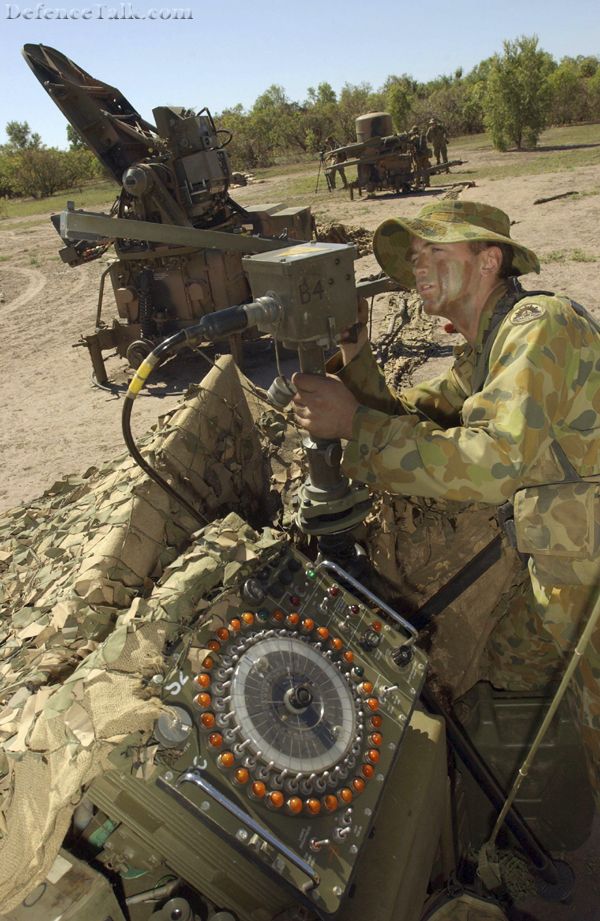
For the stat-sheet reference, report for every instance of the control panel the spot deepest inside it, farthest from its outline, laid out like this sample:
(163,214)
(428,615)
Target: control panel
(285,715)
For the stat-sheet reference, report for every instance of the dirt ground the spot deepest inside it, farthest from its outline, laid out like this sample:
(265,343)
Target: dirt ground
(56,422)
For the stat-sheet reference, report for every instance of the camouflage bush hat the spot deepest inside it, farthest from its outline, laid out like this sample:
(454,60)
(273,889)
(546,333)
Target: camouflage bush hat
(446,221)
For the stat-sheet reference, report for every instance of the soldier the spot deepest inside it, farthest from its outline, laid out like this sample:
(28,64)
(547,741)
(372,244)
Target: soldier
(516,419)
(438,138)
(332,144)
(420,157)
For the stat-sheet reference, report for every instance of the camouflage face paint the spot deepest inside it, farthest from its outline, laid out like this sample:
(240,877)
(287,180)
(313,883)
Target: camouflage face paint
(448,278)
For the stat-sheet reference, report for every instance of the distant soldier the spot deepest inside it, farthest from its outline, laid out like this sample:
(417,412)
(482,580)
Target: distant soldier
(330,145)
(420,152)
(438,138)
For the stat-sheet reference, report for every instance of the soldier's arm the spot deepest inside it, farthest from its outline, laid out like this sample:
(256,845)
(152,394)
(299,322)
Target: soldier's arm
(439,399)
(505,426)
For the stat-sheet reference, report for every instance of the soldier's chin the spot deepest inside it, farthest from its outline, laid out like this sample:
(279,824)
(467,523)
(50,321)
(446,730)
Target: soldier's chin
(432,304)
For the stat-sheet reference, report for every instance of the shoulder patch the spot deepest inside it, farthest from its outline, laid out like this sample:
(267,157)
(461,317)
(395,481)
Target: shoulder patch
(527,312)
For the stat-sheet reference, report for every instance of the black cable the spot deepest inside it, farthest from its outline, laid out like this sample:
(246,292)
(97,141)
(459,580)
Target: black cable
(150,471)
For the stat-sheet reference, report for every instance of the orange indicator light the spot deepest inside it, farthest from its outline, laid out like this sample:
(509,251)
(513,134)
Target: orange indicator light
(226,760)
(372,703)
(322,633)
(203,699)
(376,721)
(208,662)
(203,680)
(377,625)
(258,789)
(208,720)
(313,806)
(368,770)
(276,799)
(345,795)
(293,618)
(214,645)
(278,615)
(308,624)
(223,634)
(373,755)
(330,802)
(376,738)
(366,687)
(215,739)
(247,618)
(358,784)
(294,805)
(235,624)
(336,643)
(241,776)
(348,656)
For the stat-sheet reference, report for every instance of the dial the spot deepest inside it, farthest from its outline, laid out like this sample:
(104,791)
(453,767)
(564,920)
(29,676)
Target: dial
(294,707)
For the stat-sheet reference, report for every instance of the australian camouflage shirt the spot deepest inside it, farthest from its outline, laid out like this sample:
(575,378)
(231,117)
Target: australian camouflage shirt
(446,438)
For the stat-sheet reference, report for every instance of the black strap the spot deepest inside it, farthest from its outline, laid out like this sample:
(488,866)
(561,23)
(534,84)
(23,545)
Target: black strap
(459,583)
(514,293)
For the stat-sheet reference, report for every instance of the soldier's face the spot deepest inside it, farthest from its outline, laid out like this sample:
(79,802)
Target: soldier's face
(448,276)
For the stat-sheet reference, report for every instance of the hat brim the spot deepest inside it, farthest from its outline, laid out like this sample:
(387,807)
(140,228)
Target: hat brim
(392,240)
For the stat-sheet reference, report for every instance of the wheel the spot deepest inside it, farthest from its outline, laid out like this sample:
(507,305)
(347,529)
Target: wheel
(137,351)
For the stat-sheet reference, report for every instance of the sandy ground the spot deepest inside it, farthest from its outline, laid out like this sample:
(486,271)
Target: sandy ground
(55,422)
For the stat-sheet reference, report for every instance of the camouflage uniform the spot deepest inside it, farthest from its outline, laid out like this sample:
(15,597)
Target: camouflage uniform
(519,420)
(332,144)
(420,157)
(437,137)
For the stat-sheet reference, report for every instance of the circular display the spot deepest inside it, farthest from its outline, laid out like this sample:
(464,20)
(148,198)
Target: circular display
(293,706)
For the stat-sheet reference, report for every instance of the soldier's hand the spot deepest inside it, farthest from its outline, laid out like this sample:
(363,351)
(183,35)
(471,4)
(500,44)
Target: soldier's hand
(356,336)
(323,406)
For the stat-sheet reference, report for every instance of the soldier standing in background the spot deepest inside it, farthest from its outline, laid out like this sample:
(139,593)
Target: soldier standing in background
(515,422)
(420,157)
(438,138)
(330,145)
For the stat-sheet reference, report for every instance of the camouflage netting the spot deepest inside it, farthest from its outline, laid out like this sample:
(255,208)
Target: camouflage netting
(96,574)
(105,568)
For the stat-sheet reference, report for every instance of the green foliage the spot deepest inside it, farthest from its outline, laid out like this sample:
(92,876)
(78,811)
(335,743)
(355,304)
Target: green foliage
(356,100)
(574,255)
(75,140)
(400,94)
(40,171)
(517,98)
(513,94)
(20,136)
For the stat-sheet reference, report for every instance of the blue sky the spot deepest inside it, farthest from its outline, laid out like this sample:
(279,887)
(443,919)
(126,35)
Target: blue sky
(230,52)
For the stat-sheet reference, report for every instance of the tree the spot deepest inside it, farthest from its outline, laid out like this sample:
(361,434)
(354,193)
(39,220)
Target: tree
(568,97)
(321,115)
(355,100)
(248,148)
(75,140)
(517,98)
(20,136)
(399,96)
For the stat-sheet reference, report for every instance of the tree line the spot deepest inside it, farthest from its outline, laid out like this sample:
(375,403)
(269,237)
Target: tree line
(513,95)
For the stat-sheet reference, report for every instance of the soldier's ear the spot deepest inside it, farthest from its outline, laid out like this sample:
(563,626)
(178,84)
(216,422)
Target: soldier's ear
(491,260)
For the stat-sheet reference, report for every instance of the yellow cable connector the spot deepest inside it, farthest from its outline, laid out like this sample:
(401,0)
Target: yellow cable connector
(141,375)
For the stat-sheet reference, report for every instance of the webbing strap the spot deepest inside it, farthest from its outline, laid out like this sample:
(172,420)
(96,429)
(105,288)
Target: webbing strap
(514,294)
